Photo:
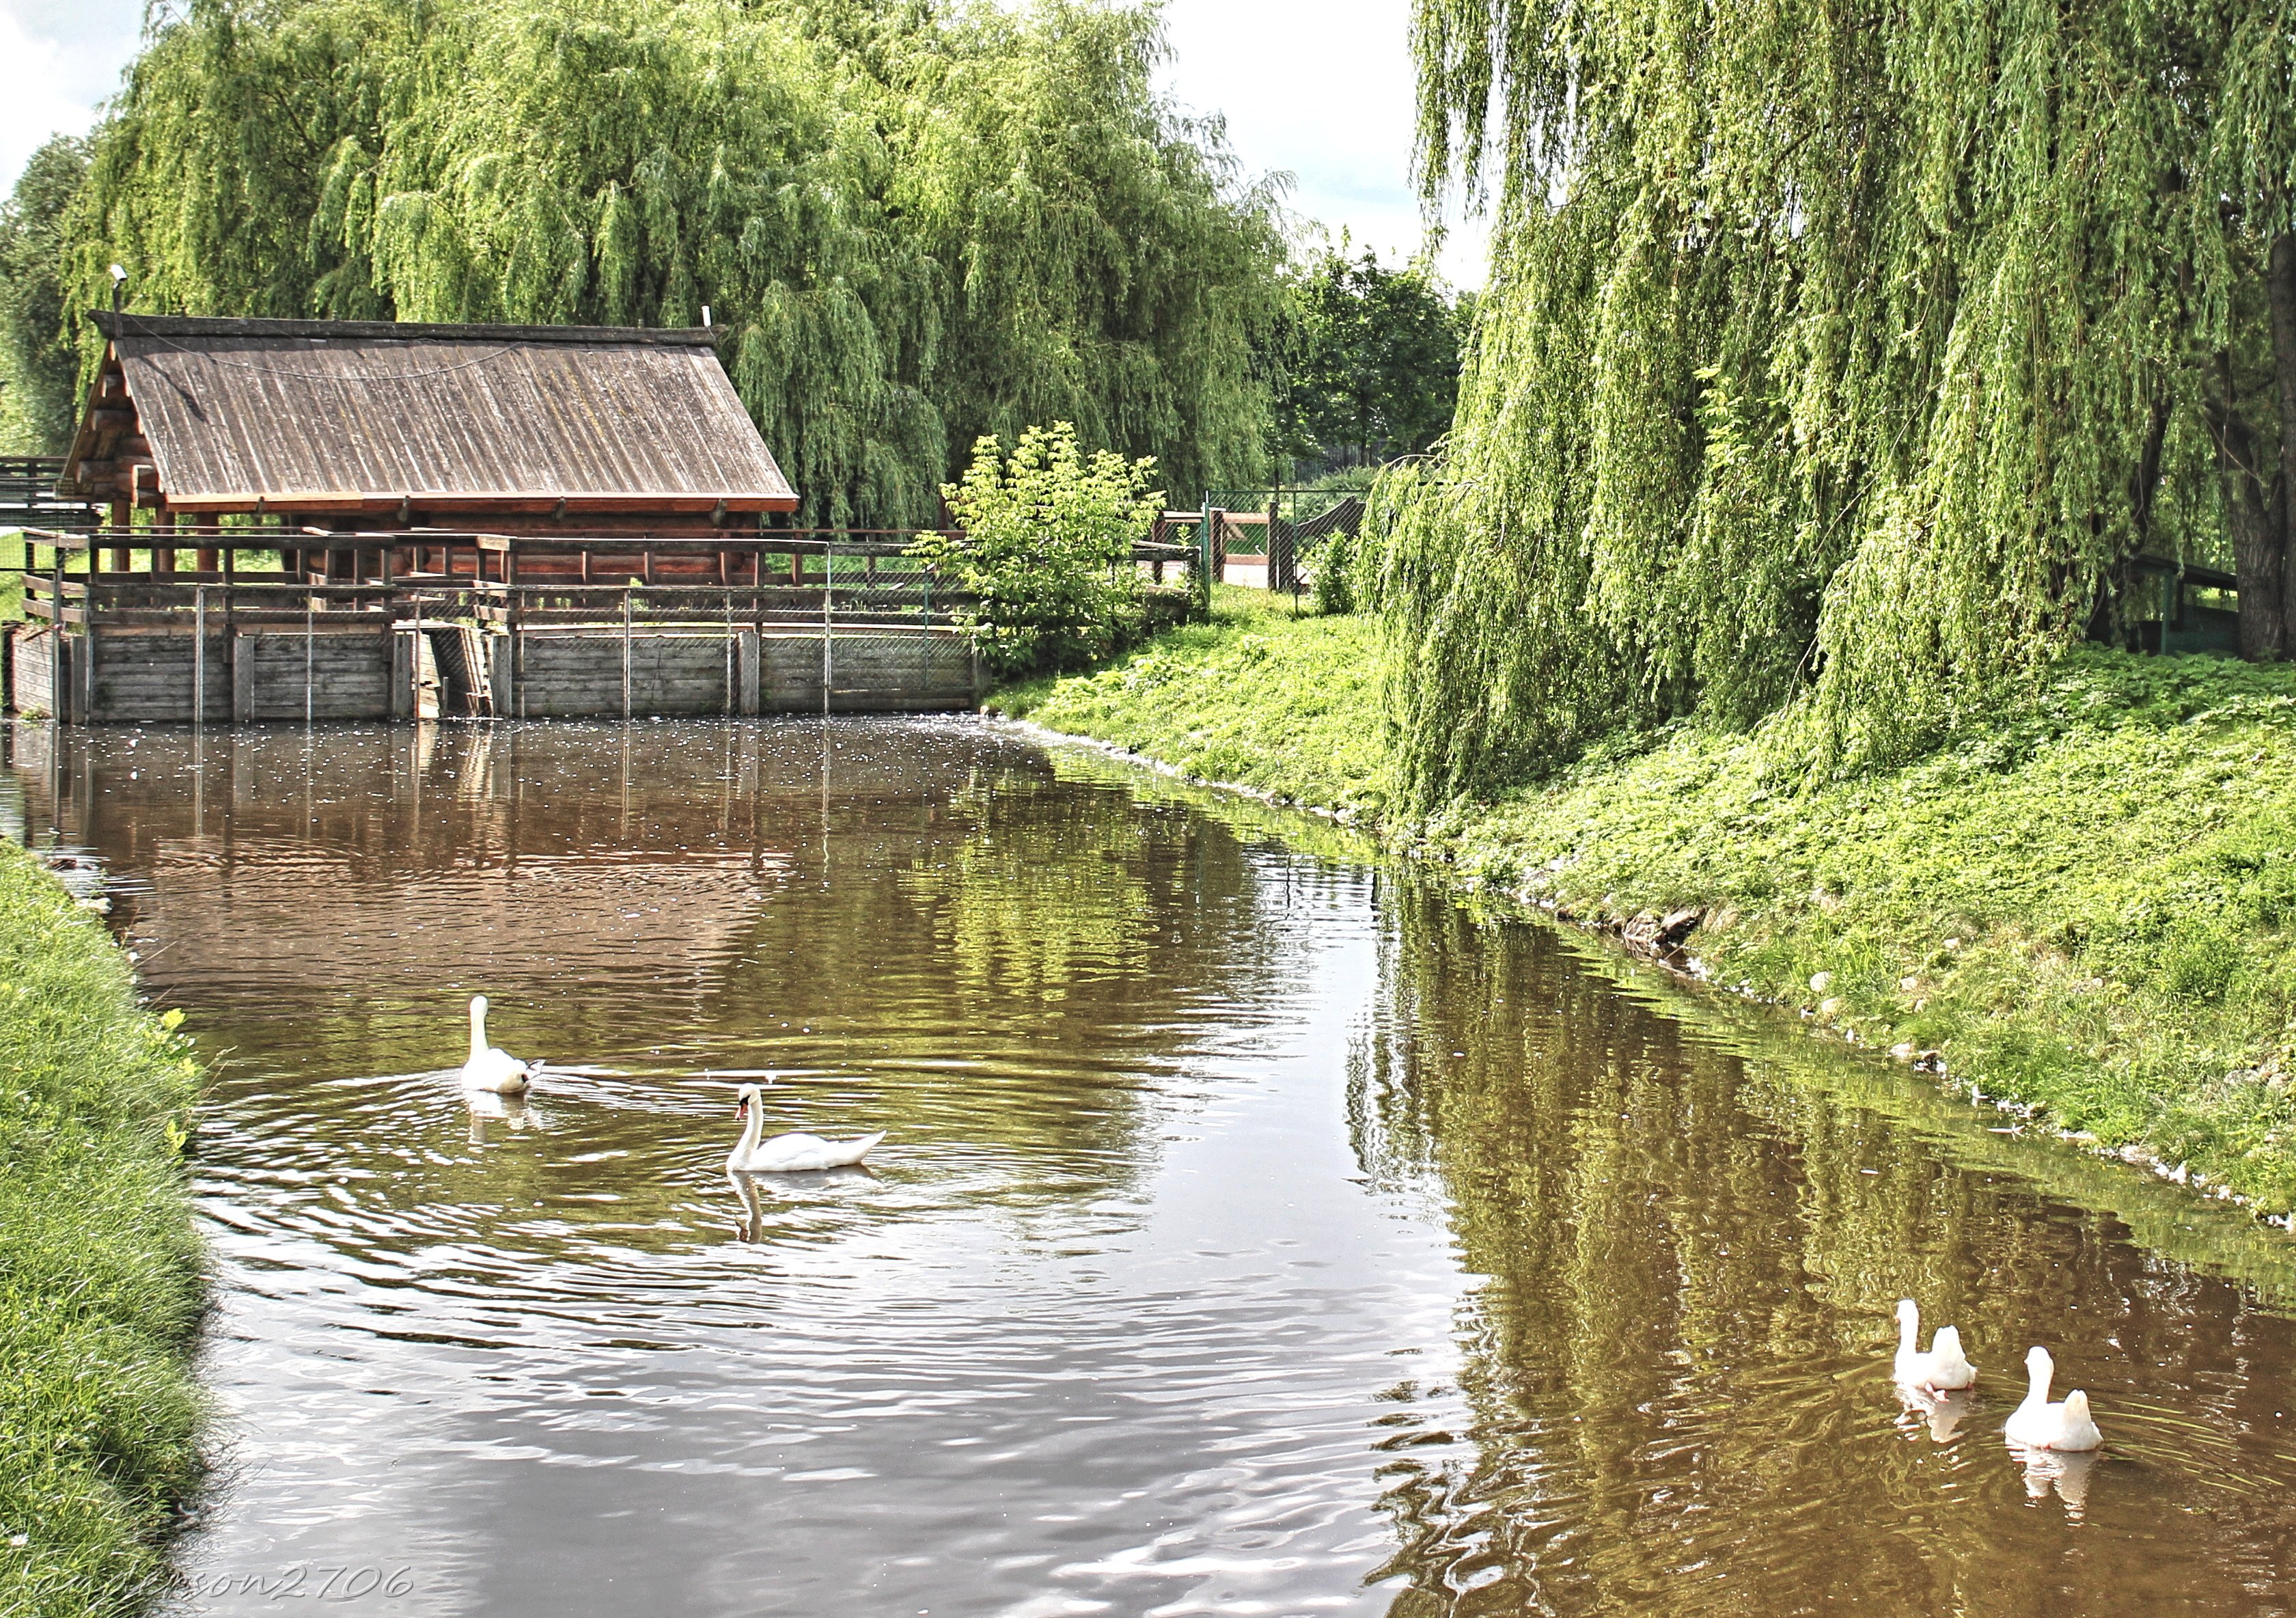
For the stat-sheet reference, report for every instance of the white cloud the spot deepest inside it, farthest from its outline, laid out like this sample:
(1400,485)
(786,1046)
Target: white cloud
(1324,89)
(58,60)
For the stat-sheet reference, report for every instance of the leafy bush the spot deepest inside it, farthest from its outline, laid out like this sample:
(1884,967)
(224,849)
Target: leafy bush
(1046,549)
(1331,569)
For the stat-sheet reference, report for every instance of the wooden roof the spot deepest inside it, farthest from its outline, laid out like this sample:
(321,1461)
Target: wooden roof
(288,415)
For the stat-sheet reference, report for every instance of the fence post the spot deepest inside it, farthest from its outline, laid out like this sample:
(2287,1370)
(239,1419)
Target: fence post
(625,654)
(59,708)
(1204,561)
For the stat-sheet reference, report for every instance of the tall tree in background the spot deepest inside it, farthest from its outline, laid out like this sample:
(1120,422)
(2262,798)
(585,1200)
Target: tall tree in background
(38,363)
(1371,363)
(1838,357)
(914,223)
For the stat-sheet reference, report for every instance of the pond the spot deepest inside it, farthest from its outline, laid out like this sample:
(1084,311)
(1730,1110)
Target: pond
(1257,1230)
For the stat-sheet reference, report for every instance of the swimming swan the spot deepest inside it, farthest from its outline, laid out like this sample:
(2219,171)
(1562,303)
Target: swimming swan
(490,1067)
(2039,1425)
(788,1153)
(1943,1368)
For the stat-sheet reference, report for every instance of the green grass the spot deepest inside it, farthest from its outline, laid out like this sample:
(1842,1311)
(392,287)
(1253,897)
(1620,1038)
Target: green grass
(2086,907)
(1256,698)
(102,1283)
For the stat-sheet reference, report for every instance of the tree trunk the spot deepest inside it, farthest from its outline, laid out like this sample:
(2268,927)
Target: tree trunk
(2256,514)
(2280,294)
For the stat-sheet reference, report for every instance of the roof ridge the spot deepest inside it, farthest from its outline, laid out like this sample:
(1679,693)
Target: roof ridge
(196,326)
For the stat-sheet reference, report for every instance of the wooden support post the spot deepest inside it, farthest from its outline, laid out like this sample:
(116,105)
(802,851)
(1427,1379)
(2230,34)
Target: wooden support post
(496,649)
(56,705)
(242,679)
(231,638)
(403,676)
(200,655)
(625,654)
(752,646)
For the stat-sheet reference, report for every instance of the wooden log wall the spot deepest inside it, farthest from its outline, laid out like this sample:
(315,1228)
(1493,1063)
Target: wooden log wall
(118,674)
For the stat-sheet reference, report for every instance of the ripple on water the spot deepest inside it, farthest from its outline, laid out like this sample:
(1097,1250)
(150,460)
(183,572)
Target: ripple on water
(1254,1234)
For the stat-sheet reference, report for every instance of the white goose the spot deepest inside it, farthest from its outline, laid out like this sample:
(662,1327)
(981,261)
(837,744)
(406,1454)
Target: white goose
(792,1154)
(490,1067)
(1944,1368)
(2039,1425)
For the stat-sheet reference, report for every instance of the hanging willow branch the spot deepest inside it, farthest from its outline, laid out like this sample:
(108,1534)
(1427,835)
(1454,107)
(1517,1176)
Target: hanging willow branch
(1837,356)
(915,224)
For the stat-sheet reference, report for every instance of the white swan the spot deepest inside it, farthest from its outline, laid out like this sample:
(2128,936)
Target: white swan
(490,1067)
(1944,1368)
(2039,1425)
(792,1154)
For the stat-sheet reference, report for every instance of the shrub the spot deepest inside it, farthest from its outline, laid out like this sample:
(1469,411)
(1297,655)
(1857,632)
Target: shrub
(1046,549)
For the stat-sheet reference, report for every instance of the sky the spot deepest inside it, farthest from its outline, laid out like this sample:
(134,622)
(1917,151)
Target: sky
(1317,89)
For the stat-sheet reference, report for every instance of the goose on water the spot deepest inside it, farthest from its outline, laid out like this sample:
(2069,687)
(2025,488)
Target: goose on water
(490,1067)
(792,1154)
(2039,1425)
(1944,1368)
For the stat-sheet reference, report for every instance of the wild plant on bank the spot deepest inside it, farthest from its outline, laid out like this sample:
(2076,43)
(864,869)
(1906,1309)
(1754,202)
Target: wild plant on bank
(1046,549)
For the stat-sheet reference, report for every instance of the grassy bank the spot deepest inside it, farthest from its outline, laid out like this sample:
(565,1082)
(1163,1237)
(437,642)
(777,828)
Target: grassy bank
(101,1279)
(2087,907)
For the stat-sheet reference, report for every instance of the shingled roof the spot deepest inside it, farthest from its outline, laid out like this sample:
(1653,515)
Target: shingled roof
(208,415)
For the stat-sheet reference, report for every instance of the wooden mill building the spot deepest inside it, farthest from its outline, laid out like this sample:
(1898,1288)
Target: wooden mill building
(370,426)
(349,519)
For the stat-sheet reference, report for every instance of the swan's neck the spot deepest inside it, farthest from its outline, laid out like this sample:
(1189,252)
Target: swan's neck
(478,1031)
(2037,1386)
(752,1122)
(1909,1330)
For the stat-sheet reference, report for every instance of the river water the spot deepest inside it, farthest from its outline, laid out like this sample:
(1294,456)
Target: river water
(1256,1233)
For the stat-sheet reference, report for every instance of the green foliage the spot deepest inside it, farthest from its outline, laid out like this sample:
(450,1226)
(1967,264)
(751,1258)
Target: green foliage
(101,1280)
(1046,549)
(1256,698)
(38,364)
(1370,361)
(913,223)
(2088,902)
(1835,360)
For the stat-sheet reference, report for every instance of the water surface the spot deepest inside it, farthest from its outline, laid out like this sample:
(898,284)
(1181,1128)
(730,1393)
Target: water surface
(1257,1233)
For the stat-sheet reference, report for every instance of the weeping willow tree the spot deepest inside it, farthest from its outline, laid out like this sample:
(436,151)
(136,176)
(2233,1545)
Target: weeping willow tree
(1837,360)
(914,223)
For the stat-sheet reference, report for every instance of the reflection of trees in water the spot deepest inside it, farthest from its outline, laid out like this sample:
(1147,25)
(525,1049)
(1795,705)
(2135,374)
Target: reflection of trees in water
(1676,1365)
(960,947)
(1043,893)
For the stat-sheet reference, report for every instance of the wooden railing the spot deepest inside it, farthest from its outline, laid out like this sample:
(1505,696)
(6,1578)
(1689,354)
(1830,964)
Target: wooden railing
(28,497)
(850,579)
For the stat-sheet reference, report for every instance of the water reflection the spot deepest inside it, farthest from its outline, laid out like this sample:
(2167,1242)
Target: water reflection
(1254,1233)
(1679,1362)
